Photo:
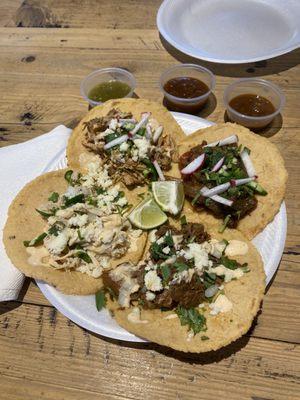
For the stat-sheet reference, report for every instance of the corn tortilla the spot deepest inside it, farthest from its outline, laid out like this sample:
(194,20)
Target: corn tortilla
(24,223)
(269,167)
(76,150)
(245,294)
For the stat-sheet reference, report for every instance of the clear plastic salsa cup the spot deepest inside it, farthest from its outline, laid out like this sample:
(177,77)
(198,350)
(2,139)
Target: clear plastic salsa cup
(191,71)
(259,87)
(106,75)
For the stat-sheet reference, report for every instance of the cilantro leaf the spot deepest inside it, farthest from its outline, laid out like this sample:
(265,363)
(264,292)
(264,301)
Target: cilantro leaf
(192,318)
(165,271)
(84,256)
(100,300)
(53,197)
(36,241)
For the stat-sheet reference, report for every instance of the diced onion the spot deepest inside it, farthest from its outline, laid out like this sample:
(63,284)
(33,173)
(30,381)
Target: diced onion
(223,142)
(222,200)
(211,291)
(248,163)
(115,142)
(194,165)
(216,190)
(218,165)
(238,182)
(157,134)
(142,122)
(159,171)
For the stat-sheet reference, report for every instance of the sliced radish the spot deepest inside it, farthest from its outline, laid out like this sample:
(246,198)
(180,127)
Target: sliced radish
(248,163)
(148,133)
(238,182)
(143,121)
(216,190)
(159,171)
(194,165)
(116,142)
(218,165)
(222,200)
(223,142)
(127,121)
(157,134)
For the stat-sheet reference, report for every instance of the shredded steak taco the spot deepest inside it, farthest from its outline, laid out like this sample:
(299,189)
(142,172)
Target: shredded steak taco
(136,138)
(232,174)
(194,291)
(66,229)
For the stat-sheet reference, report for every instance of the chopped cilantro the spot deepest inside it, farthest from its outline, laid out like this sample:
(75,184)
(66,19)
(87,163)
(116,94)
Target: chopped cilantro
(183,220)
(192,318)
(68,176)
(47,214)
(156,252)
(84,256)
(168,240)
(204,337)
(228,263)
(79,198)
(100,299)
(53,197)
(36,241)
(180,266)
(225,223)
(166,273)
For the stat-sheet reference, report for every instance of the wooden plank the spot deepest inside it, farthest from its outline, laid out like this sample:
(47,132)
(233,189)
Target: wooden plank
(38,65)
(113,14)
(66,359)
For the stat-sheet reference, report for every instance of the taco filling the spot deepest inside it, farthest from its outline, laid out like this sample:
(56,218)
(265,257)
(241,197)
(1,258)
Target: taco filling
(84,227)
(185,271)
(221,178)
(135,152)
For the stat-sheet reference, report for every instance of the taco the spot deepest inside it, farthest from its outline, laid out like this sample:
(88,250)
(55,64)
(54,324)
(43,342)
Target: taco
(66,229)
(194,291)
(136,138)
(232,174)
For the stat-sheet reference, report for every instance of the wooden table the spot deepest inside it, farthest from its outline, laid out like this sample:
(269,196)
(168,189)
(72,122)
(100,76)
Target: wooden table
(46,48)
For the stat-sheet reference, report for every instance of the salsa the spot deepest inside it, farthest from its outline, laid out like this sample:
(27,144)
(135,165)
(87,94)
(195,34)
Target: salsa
(109,90)
(186,87)
(252,105)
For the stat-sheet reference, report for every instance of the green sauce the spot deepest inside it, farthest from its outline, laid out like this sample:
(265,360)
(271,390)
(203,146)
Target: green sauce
(109,90)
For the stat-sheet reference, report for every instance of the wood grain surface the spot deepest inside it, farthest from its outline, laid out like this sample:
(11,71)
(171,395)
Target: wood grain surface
(46,48)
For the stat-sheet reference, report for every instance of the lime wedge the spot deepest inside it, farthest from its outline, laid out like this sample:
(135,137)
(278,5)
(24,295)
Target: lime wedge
(169,195)
(147,215)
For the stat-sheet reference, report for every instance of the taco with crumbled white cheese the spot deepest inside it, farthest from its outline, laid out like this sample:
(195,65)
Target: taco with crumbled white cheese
(232,174)
(194,291)
(136,138)
(66,228)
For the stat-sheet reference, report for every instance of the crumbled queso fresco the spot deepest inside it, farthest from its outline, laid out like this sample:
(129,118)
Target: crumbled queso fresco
(84,227)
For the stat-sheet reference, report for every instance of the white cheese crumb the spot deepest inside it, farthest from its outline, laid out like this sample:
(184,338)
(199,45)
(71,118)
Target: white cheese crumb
(171,316)
(150,296)
(78,220)
(199,254)
(135,316)
(236,248)
(124,147)
(221,305)
(153,281)
(228,274)
(166,250)
(56,244)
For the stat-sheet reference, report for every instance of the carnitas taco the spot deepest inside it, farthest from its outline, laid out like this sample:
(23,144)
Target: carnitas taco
(232,174)
(194,291)
(135,138)
(66,228)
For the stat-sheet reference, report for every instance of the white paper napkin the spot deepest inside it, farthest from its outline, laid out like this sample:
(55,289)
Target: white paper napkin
(19,164)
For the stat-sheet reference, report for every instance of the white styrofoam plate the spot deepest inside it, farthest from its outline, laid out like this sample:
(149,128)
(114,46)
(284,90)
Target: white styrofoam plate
(231,31)
(82,309)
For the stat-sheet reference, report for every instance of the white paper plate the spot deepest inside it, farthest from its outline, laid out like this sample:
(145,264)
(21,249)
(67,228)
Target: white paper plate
(231,31)
(82,309)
